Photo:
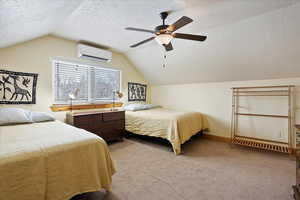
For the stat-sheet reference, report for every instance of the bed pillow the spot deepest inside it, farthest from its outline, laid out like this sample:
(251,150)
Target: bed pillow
(139,106)
(150,106)
(14,116)
(134,107)
(41,117)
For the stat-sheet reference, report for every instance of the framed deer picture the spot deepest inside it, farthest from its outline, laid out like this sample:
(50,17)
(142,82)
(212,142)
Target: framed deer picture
(17,87)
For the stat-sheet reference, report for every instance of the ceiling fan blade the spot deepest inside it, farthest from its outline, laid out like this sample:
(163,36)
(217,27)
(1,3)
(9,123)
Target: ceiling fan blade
(139,29)
(189,36)
(168,47)
(179,23)
(142,42)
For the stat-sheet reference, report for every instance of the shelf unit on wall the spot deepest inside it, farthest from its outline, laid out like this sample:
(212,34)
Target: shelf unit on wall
(272,91)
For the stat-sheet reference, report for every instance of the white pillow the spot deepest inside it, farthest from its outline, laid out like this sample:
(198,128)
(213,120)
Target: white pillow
(134,107)
(41,117)
(150,106)
(14,116)
(139,106)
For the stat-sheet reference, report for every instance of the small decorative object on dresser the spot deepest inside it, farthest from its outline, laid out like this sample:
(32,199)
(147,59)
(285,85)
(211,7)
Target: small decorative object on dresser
(72,96)
(109,125)
(297,186)
(117,94)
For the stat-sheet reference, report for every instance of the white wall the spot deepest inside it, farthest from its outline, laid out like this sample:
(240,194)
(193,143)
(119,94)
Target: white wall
(35,56)
(214,100)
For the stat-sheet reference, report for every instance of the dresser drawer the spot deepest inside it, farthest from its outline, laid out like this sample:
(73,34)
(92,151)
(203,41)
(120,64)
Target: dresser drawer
(110,134)
(117,124)
(109,125)
(84,126)
(113,116)
(86,119)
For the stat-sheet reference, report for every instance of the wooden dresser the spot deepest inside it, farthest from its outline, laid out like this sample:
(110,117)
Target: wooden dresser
(109,125)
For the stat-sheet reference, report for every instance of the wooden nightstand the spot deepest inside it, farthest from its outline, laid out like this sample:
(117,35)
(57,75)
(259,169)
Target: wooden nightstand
(109,125)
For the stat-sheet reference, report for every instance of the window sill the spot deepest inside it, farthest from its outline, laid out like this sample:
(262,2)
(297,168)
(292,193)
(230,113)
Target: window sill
(57,108)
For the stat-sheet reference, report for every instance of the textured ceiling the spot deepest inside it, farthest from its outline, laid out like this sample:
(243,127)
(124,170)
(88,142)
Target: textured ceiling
(22,20)
(104,21)
(229,43)
(266,46)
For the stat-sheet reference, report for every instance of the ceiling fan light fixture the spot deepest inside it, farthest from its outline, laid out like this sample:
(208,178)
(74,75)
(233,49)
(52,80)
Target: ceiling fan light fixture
(163,39)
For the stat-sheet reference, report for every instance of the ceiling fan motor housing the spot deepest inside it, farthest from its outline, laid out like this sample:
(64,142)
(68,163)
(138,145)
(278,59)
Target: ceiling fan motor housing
(161,29)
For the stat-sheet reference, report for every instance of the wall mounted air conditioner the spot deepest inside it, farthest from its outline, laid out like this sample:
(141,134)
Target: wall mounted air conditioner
(93,53)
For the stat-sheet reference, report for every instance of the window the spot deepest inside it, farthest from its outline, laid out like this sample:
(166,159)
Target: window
(95,84)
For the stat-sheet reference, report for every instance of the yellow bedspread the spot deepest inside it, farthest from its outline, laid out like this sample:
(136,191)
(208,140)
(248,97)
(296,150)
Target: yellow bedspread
(175,126)
(51,161)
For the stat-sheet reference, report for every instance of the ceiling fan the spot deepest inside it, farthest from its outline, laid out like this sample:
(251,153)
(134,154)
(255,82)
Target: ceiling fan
(165,33)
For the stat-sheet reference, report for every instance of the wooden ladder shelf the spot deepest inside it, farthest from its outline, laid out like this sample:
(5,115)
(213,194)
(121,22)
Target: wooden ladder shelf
(278,146)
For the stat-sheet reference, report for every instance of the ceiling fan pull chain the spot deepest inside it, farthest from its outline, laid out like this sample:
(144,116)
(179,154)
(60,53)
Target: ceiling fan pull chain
(165,59)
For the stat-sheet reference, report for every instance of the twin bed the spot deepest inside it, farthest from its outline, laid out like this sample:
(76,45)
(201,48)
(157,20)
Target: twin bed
(175,126)
(55,161)
(52,161)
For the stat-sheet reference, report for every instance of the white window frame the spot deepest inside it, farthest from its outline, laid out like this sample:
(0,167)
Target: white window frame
(90,66)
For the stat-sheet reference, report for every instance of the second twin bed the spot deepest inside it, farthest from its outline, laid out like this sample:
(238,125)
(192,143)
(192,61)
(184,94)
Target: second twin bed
(175,126)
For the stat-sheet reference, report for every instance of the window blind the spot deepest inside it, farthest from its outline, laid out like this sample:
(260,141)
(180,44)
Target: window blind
(95,84)
(106,82)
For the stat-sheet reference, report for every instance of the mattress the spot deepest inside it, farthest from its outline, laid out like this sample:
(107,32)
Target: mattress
(51,161)
(175,126)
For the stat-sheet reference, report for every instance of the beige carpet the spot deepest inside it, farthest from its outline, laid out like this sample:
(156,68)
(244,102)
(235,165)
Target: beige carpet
(208,170)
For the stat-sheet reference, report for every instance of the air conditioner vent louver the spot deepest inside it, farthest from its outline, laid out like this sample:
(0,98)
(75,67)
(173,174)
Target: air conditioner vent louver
(92,53)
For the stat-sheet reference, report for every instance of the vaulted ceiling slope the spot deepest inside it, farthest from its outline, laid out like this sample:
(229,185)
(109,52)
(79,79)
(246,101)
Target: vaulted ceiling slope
(262,47)
(255,39)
